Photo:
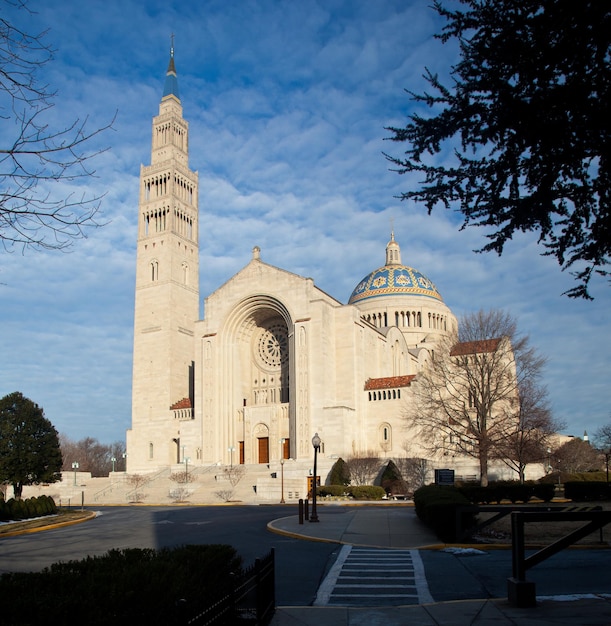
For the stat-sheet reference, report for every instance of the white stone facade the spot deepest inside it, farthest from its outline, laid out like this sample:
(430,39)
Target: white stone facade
(274,359)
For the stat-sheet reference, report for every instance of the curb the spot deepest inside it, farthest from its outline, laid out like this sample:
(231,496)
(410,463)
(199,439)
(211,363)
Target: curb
(29,531)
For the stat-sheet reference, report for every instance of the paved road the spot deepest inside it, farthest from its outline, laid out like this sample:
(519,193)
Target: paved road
(301,565)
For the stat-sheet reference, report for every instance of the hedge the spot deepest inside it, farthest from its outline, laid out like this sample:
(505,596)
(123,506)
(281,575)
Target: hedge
(358,492)
(14,510)
(131,586)
(436,506)
(511,490)
(583,491)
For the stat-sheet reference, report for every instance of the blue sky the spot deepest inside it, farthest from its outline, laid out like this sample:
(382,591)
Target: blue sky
(287,104)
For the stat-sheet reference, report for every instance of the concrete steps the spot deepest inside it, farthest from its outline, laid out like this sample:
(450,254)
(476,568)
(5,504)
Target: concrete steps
(215,484)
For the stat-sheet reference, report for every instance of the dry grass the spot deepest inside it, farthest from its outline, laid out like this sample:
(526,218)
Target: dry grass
(539,533)
(63,517)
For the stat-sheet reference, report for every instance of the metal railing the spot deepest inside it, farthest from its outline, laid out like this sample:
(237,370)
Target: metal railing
(522,592)
(253,599)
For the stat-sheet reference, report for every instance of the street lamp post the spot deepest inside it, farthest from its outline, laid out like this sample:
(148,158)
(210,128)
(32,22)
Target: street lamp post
(282,441)
(231,449)
(113,461)
(186,469)
(75,467)
(316,444)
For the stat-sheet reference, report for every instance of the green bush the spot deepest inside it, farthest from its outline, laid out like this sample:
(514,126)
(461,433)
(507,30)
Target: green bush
(544,491)
(24,509)
(333,490)
(436,506)
(367,492)
(392,480)
(339,474)
(132,586)
(587,491)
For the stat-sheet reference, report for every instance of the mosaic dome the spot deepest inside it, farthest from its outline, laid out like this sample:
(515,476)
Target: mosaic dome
(394,280)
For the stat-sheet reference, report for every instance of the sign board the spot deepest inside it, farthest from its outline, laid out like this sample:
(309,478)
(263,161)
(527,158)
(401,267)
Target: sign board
(444,477)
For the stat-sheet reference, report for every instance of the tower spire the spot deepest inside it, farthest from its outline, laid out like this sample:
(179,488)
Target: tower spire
(170,87)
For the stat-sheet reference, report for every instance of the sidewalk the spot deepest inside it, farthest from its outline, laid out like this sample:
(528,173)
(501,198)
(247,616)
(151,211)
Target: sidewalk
(388,527)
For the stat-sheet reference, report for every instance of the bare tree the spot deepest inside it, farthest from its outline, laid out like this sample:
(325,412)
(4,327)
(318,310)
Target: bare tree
(137,482)
(234,474)
(363,468)
(415,470)
(602,437)
(467,396)
(575,456)
(534,425)
(35,210)
(91,455)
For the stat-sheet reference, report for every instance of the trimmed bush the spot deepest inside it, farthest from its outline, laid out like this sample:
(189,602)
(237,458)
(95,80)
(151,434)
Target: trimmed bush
(367,492)
(436,506)
(544,491)
(339,474)
(333,490)
(132,586)
(584,491)
(392,480)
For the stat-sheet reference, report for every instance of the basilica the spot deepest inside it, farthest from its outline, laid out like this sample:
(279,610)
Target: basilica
(274,359)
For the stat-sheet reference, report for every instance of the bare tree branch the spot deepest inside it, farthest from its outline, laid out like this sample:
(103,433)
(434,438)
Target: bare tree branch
(36,160)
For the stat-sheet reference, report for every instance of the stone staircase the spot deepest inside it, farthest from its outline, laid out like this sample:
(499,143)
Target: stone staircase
(213,484)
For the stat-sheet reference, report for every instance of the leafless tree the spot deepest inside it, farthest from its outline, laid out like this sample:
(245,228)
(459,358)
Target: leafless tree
(181,478)
(234,474)
(534,426)
(37,159)
(467,396)
(575,456)
(363,468)
(180,494)
(137,482)
(224,494)
(415,470)
(91,455)
(602,437)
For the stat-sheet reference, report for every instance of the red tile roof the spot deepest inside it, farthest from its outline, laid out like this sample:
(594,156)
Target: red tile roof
(475,347)
(389,382)
(185,403)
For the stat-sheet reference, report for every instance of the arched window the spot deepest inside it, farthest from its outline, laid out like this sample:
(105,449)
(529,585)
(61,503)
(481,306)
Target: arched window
(385,437)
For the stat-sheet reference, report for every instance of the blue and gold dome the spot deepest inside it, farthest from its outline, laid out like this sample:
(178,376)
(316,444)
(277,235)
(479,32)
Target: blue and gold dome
(394,279)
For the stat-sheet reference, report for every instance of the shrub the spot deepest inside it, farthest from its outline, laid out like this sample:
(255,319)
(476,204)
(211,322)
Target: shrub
(437,505)
(392,480)
(132,586)
(544,491)
(339,474)
(367,492)
(584,491)
(333,490)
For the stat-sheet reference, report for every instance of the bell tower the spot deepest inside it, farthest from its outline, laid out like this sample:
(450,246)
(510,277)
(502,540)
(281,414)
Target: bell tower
(167,290)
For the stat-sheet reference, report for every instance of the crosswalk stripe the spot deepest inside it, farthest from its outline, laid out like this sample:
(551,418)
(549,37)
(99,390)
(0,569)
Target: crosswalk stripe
(368,576)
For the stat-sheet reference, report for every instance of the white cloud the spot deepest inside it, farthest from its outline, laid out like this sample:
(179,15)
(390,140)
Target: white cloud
(287,104)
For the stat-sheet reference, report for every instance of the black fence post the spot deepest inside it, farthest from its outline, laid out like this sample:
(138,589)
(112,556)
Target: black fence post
(306,509)
(301,510)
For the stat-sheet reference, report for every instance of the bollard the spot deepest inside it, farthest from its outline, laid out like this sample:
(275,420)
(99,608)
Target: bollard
(301,510)
(306,509)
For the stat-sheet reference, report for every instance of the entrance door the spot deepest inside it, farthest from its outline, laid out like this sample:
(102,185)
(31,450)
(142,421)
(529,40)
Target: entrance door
(263,449)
